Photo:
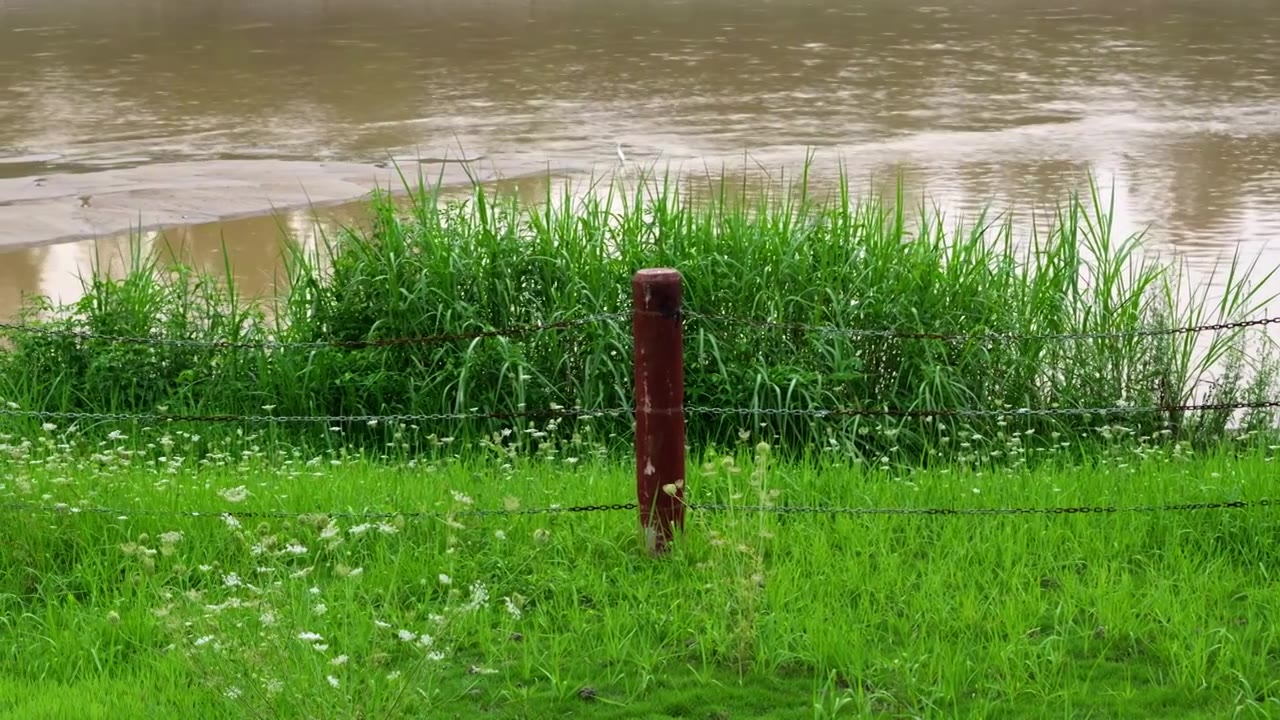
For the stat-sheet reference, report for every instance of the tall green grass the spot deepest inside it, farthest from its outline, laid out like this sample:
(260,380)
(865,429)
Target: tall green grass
(784,255)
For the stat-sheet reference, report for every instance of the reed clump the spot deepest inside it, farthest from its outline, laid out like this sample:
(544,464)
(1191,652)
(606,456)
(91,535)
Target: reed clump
(791,257)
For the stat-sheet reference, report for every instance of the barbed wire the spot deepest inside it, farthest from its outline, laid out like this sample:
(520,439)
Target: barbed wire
(334,419)
(1002,413)
(935,511)
(510,331)
(374,420)
(125,513)
(987,337)
(518,330)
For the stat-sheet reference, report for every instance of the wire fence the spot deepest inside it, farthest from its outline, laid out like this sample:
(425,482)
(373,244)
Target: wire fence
(818,413)
(126,513)
(1001,413)
(506,332)
(894,334)
(513,331)
(319,419)
(559,412)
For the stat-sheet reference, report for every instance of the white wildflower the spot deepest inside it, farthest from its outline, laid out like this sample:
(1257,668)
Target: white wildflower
(205,640)
(231,580)
(295,549)
(445,579)
(171,538)
(340,660)
(512,608)
(235,494)
(332,680)
(406,636)
(320,609)
(479,597)
(268,618)
(310,636)
(231,521)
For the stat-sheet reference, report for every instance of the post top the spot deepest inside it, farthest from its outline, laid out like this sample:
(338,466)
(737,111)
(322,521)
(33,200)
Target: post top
(658,273)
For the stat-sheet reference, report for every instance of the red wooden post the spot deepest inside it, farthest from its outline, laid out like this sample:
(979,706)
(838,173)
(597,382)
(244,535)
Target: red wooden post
(659,369)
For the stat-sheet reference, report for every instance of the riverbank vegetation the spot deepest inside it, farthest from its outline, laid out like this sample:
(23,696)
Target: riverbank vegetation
(824,269)
(222,521)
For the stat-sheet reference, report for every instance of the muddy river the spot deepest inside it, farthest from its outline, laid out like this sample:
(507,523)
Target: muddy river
(224,122)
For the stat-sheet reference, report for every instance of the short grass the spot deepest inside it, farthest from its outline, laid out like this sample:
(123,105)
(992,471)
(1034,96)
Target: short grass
(136,614)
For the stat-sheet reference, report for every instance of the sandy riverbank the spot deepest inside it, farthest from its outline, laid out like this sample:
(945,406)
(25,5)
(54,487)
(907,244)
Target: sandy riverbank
(57,208)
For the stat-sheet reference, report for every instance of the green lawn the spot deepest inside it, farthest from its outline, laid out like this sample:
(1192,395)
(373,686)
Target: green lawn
(1132,614)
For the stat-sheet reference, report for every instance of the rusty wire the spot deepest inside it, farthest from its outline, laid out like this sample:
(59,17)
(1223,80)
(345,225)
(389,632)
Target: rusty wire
(510,331)
(1001,413)
(125,513)
(978,337)
(936,511)
(65,509)
(371,420)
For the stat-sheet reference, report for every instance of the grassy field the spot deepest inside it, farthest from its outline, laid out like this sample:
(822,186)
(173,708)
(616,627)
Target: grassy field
(137,612)
(339,567)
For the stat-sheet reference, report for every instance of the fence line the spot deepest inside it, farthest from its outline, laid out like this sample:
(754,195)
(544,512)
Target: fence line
(984,337)
(334,419)
(1061,510)
(519,330)
(374,420)
(657,320)
(1004,413)
(124,513)
(509,331)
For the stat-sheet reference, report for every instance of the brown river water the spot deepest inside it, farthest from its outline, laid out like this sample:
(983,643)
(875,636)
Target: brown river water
(219,120)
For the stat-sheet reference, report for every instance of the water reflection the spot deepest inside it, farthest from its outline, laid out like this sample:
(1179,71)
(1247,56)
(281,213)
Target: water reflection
(1002,102)
(57,271)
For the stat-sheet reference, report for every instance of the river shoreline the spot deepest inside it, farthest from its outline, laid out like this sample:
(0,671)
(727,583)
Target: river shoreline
(50,209)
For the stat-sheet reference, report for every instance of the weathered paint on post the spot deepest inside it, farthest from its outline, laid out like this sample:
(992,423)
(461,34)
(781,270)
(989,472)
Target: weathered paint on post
(659,376)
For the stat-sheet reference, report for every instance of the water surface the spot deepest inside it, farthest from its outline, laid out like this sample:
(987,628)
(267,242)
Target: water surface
(1011,102)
